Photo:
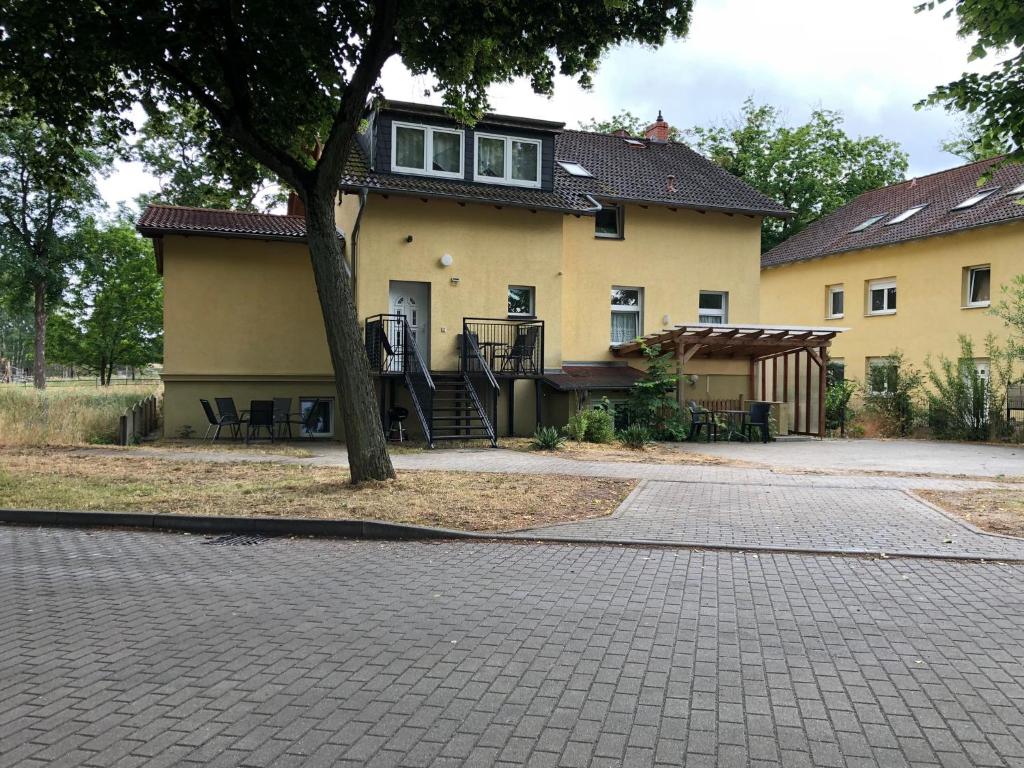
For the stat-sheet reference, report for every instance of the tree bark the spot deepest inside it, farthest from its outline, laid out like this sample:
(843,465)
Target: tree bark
(39,372)
(368,457)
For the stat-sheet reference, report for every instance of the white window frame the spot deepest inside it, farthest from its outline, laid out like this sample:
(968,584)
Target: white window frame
(620,220)
(971,271)
(880,285)
(638,310)
(507,178)
(832,291)
(533,301)
(428,150)
(330,409)
(722,313)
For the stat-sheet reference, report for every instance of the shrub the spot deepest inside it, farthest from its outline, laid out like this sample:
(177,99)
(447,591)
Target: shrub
(653,401)
(958,401)
(601,423)
(636,436)
(892,395)
(547,439)
(838,413)
(576,429)
(676,429)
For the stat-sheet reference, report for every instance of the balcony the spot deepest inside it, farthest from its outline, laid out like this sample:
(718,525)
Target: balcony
(509,348)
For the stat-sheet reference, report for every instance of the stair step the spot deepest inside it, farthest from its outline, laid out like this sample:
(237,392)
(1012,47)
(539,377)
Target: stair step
(462,437)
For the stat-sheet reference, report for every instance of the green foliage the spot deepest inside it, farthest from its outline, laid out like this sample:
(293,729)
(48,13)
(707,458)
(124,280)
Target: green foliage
(195,166)
(893,394)
(971,142)
(1010,309)
(958,397)
(16,333)
(114,315)
(547,439)
(838,412)
(576,429)
(625,121)
(636,436)
(186,432)
(994,99)
(601,423)
(812,169)
(652,401)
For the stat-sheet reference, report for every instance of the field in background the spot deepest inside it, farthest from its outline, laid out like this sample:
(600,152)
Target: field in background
(68,413)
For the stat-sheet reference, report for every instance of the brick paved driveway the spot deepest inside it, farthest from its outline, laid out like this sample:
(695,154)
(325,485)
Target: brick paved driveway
(121,648)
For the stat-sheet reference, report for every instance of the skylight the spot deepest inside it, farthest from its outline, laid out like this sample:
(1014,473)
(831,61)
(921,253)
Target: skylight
(634,142)
(574,169)
(906,214)
(867,223)
(972,201)
(1018,190)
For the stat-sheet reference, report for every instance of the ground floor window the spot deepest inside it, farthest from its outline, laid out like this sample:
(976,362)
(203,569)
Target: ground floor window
(627,314)
(323,417)
(713,307)
(882,375)
(836,371)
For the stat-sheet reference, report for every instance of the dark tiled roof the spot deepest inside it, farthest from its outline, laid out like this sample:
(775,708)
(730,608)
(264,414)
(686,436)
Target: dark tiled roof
(577,377)
(621,172)
(941,192)
(171,219)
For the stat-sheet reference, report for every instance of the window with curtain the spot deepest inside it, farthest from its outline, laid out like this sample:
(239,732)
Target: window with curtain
(627,314)
(490,157)
(507,160)
(413,145)
(525,157)
(713,307)
(410,146)
(447,152)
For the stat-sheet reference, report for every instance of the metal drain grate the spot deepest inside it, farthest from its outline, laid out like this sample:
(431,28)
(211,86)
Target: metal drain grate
(237,540)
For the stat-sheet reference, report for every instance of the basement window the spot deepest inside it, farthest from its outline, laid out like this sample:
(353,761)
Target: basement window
(323,423)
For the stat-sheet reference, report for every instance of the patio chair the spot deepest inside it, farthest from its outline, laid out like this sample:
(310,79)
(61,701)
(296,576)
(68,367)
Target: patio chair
(519,357)
(261,416)
(228,416)
(757,417)
(215,424)
(283,416)
(700,418)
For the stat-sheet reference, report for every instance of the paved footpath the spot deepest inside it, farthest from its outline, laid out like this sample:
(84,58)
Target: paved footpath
(151,649)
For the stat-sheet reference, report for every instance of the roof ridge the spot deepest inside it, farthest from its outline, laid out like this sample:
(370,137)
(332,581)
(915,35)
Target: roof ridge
(911,180)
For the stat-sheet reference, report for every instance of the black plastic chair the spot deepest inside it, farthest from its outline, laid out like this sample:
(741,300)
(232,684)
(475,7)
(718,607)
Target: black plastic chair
(228,416)
(261,416)
(519,357)
(700,418)
(283,416)
(757,418)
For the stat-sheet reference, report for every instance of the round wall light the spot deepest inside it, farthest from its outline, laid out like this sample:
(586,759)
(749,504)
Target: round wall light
(446,260)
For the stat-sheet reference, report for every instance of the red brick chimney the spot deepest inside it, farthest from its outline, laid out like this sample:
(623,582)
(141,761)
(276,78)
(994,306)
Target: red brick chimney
(295,205)
(658,130)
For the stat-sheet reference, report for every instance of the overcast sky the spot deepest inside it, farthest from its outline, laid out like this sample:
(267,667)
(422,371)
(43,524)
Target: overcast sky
(870,59)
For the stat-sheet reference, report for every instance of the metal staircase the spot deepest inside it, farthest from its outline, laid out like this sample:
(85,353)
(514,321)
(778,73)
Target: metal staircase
(457,412)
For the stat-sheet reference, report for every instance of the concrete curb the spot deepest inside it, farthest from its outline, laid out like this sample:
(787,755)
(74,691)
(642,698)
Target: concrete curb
(381,531)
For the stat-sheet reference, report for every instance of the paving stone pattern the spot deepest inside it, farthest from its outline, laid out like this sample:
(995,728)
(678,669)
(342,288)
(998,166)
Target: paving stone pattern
(148,649)
(822,517)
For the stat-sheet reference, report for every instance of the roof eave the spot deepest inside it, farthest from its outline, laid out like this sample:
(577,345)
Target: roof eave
(459,198)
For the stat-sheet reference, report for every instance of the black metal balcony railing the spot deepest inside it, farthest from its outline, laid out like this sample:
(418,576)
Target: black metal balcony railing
(391,348)
(509,348)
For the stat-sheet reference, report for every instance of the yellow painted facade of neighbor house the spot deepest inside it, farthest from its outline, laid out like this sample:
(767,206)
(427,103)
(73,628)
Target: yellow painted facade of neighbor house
(942,266)
(597,258)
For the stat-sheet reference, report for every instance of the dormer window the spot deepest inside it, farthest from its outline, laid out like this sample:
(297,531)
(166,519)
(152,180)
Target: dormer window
(426,150)
(507,160)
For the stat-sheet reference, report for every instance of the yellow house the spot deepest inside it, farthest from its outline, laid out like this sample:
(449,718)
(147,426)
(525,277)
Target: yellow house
(497,268)
(907,267)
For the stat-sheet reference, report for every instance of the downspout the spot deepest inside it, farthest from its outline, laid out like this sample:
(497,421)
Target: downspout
(363,195)
(597,206)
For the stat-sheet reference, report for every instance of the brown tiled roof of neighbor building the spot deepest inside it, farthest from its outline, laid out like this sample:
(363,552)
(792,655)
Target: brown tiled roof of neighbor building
(579,377)
(633,170)
(940,193)
(160,220)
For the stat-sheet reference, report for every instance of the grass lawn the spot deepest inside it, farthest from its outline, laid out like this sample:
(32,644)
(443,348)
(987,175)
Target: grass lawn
(62,479)
(656,453)
(996,510)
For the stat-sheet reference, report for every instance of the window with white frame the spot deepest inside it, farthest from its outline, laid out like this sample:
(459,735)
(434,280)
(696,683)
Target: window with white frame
(979,286)
(426,150)
(608,222)
(713,307)
(521,301)
(322,424)
(627,314)
(882,375)
(836,300)
(882,297)
(507,160)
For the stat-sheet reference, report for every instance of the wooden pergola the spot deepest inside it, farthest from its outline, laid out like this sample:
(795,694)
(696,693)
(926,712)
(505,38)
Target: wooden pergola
(786,361)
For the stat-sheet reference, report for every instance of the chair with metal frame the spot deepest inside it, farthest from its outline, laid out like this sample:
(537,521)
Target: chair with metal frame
(519,357)
(228,416)
(283,416)
(261,416)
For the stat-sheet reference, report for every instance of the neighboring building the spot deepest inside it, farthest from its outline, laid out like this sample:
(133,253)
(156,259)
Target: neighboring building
(517,251)
(906,267)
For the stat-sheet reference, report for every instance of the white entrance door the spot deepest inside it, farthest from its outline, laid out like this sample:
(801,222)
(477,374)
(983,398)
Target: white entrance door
(412,301)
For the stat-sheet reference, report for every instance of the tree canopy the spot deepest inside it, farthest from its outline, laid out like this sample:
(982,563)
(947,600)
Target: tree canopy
(624,121)
(971,142)
(812,169)
(277,85)
(995,100)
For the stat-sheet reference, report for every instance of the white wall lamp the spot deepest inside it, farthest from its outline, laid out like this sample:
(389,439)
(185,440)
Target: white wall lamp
(446,260)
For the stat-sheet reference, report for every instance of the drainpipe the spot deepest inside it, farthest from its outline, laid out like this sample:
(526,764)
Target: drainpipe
(363,195)
(597,206)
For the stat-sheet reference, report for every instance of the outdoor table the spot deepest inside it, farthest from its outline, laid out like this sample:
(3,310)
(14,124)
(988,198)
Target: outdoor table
(487,349)
(731,416)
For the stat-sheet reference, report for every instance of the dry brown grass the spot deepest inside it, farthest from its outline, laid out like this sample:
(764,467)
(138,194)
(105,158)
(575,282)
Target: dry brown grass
(294,450)
(656,453)
(61,479)
(995,510)
(69,415)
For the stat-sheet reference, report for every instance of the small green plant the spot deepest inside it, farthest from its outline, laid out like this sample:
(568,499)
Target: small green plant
(652,400)
(547,439)
(601,423)
(958,400)
(636,436)
(893,395)
(576,429)
(186,432)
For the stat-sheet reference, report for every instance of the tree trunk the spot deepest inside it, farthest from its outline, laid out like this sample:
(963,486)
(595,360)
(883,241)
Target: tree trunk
(39,374)
(368,457)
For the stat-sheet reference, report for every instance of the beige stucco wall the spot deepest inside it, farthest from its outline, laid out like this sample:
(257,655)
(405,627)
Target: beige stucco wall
(929,282)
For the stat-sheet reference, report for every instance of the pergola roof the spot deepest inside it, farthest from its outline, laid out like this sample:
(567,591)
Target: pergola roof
(731,341)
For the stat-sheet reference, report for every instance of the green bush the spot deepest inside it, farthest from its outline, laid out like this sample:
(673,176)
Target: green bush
(653,401)
(958,400)
(601,424)
(576,429)
(893,394)
(636,436)
(838,413)
(547,439)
